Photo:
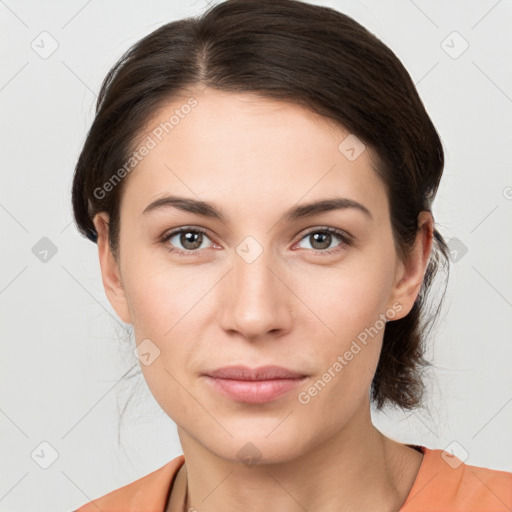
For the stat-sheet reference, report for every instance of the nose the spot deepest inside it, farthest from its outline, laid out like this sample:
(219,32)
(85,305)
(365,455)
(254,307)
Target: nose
(257,298)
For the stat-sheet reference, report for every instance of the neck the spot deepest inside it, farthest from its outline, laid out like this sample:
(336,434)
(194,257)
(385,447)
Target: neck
(357,468)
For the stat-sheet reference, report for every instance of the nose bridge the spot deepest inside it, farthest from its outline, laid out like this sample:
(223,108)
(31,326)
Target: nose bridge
(256,298)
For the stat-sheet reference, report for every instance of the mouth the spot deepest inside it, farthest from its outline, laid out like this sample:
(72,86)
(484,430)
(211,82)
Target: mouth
(258,385)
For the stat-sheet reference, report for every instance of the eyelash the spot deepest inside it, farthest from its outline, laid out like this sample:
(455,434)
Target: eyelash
(345,239)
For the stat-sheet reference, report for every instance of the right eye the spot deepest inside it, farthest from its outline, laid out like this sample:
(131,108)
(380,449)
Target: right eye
(191,239)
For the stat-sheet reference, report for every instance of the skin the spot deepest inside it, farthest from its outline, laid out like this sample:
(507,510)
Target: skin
(254,159)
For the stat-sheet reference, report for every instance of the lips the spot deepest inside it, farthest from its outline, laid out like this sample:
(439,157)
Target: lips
(254,385)
(261,373)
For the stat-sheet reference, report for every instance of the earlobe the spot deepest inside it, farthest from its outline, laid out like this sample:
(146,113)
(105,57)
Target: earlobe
(110,274)
(411,273)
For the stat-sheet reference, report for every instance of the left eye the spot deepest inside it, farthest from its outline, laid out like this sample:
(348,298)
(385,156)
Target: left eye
(321,239)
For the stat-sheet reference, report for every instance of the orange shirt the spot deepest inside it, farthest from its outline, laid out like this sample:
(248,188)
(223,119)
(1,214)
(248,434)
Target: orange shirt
(441,485)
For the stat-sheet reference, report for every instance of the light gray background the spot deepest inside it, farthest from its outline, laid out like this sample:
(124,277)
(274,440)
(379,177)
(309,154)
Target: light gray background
(62,355)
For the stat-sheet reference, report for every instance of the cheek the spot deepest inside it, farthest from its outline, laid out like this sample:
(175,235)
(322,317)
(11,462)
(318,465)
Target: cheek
(166,305)
(347,359)
(348,298)
(332,400)
(350,303)
(160,294)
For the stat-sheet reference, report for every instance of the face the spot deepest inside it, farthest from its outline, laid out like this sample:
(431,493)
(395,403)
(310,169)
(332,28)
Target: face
(265,281)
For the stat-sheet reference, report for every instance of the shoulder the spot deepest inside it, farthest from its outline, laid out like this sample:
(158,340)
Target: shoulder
(148,493)
(445,484)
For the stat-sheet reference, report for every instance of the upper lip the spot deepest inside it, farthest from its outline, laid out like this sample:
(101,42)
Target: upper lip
(260,373)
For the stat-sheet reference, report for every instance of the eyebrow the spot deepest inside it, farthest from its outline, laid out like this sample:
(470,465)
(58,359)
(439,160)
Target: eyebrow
(209,210)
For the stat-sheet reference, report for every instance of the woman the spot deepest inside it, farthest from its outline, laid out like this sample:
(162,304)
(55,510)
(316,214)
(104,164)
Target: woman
(259,182)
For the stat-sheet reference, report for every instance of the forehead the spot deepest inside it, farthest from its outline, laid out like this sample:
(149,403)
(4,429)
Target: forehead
(249,151)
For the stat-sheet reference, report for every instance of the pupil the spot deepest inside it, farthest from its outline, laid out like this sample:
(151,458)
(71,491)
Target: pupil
(325,244)
(188,238)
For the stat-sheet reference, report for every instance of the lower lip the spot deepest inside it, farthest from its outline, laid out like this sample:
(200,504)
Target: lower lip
(254,391)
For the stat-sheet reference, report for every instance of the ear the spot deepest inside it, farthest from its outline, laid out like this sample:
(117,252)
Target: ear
(411,272)
(110,274)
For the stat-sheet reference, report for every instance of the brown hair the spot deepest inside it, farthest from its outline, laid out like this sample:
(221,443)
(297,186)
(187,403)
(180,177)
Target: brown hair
(301,53)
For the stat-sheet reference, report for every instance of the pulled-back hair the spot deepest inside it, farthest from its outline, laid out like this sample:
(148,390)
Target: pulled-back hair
(304,54)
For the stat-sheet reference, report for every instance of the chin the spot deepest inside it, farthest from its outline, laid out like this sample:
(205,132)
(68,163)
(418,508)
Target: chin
(252,447)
